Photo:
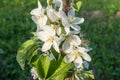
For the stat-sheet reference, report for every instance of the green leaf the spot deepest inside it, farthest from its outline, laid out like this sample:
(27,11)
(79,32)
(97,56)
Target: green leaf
(42,65)
(55,54)
(89,74)
(50,69)
(78,4)
(50,2)
(23,52)
(34,60)
(59,67)
(60,77)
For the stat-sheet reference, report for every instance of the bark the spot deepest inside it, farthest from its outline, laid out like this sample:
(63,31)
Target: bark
(66,5)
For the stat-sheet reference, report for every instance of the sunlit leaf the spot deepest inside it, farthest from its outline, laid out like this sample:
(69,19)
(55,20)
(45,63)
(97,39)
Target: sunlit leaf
(24,52)
(89,74)
(49,2)
(78,4)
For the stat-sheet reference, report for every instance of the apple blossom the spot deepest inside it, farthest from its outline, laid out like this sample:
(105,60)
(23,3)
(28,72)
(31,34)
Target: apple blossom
(76,54)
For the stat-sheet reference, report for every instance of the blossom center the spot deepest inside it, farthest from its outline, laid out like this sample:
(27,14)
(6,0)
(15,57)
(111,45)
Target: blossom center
(76,53)
(71,19)
(50,39)
(40,16)
(55,27)
(68,38)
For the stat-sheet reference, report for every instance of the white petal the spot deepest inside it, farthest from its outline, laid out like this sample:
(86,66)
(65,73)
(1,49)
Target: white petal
(52,14)
(61,14)
(59,31)
(83,53)
(34,73)
(57,2)
(65,22)
(75,27)
(42,35)
(74,32)
(43,20)
(86,57)
(67,30)
(76,40)
(40,21)
(78,20)
(78,62)
(59,39)
(66,47)
(39,4)
(46,46)
(71,13)
(50,31)
(69,58)
(35,11)
(56,46)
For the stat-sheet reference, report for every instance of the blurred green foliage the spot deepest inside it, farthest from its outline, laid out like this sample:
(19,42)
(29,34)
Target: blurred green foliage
(103,33)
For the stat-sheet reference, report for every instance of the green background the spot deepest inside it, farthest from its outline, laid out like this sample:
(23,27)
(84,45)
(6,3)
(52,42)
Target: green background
(101,28)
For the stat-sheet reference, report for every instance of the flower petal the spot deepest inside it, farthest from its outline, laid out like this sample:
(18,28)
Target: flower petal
(75,27)
(78,62)
(86,57)
(65,22)
(57,2)
(71,12)
(46,46)
(39,5)
(52,14)
(61,14)
(78,20)
(67,30)
(42,35)
(83,53)
(66,47)
(49,30)
(76,40)
(59,39)
(56,46)
(59,31)
(35,12)
(69,58)
(40,21)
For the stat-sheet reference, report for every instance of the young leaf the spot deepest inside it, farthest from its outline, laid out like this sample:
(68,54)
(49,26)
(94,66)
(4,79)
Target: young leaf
(60,68)
(42,66)
(49,2)
(79,3)
(55,54)
(23,52)
(89,74)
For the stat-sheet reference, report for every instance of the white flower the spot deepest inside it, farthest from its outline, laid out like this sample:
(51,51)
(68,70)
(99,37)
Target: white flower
(57,2)
(70,20)
(52,14)
(49,38)
(38,15)
(70,40)
(34,73)
(76,54)
(57,29)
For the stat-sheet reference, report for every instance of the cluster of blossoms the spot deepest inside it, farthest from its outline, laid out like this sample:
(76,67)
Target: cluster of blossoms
(59,30)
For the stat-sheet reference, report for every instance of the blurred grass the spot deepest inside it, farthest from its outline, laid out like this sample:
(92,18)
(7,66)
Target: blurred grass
(103,33)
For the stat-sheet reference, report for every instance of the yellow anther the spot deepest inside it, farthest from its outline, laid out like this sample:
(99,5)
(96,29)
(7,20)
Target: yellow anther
(50,39)
(68,38)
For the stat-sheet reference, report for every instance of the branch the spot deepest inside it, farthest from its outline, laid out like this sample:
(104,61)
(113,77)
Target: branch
(66,5)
